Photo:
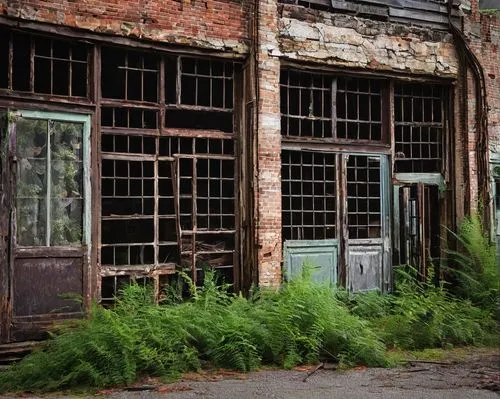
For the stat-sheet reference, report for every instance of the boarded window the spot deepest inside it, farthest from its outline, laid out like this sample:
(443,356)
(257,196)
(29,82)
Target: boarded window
(419,128)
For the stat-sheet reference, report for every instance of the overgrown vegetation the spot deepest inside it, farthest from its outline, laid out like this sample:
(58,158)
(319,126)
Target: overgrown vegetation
(302,322)
(474,265)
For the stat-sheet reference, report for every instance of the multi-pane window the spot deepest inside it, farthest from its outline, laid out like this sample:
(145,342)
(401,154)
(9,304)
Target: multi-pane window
(43,65)
(359,109)
(309,199)
(167,201)
(49,186)
(364,218)
(419,127)
(317,106)
(306,105)
(129,75)
(199,93)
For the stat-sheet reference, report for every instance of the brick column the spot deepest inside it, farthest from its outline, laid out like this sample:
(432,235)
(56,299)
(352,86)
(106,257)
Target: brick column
(268,168)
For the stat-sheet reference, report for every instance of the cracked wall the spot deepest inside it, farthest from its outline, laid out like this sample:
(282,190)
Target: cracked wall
(347,41)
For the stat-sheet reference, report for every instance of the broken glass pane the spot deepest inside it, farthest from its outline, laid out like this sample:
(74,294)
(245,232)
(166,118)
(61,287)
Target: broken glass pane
(66,183)
(60,179)
(31,151)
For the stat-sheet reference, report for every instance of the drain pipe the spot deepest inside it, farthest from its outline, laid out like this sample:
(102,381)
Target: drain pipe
(481,114)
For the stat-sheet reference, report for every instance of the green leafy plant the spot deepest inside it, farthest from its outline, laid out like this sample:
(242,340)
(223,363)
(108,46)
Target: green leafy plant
(474,265)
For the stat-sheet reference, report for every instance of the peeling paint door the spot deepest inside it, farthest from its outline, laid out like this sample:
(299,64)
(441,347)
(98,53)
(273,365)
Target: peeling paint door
(49,220)
(4,225)
(320,257)
(367,225)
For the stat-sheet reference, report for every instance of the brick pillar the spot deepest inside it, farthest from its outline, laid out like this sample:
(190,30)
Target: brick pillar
(268,168)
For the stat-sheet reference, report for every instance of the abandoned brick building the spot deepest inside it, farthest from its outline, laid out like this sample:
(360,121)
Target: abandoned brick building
(140,137)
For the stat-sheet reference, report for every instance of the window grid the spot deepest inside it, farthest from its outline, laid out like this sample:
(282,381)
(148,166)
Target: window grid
(43,65)
(363,197)
(129,75)
(359,109)
(419,128)
(306,105)
(206,83)
(308,195)
(140,228)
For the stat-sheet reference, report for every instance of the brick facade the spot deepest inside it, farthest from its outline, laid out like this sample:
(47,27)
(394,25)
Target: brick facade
(318,38)
(211,24)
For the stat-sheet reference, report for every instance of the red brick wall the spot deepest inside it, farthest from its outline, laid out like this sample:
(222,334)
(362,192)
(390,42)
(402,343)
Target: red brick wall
(483,31)
(268,187)
(216,24)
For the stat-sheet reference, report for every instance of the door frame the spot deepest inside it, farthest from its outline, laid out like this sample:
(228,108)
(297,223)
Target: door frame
(84,251)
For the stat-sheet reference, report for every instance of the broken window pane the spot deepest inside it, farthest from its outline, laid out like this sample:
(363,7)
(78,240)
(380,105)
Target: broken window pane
(419,128)
(306,105)
(66,190)
(129,75)
(49,202)
(364,196)
(308,195)
(359,105)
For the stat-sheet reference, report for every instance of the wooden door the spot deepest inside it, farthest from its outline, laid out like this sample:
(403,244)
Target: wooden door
(49,233)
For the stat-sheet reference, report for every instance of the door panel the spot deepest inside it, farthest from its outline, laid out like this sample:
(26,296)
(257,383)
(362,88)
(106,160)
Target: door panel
(40,285)
(320,255)
(365,271)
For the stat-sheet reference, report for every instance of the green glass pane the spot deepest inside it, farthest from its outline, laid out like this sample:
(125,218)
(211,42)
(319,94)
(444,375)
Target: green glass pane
(66,221)
(31,184)
(66,176)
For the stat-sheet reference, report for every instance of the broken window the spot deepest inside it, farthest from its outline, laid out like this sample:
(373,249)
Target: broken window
(122,117)
(168,201)
(364,218)
(49,192)
(322,107)
(359,109)
(168,198)
(43,65)
(306,105)
(129,75)
(199,93)
(419,221)
(419,128)
(309,198)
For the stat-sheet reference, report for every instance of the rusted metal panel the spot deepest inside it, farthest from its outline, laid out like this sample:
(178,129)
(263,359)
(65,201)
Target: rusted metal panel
(430,13)
(38,284)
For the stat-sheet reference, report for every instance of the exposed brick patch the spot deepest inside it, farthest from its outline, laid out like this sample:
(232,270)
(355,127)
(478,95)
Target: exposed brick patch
(213,24)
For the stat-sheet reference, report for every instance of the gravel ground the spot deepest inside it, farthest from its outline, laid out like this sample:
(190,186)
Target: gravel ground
(475,376)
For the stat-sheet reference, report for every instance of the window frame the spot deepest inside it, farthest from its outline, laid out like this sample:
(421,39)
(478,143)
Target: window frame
(85,120)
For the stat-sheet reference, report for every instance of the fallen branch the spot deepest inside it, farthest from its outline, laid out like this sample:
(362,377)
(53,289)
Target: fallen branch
(319,366)
(429,362)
